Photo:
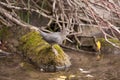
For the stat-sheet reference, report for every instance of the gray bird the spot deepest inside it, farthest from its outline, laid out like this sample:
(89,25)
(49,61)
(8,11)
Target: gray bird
(55,37)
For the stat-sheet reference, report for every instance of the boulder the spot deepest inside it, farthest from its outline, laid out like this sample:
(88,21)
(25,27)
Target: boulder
(42,54)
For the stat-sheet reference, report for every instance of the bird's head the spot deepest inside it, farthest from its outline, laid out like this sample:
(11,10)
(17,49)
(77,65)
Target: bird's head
(65,31)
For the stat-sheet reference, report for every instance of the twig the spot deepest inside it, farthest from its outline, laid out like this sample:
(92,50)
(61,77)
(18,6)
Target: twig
(4,53)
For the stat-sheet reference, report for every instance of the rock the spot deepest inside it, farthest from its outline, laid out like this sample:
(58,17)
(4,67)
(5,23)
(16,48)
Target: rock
(108,48)
(41,53)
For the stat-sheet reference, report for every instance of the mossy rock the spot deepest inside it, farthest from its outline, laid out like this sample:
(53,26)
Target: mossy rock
(105,43)
(108,48)
(41,53)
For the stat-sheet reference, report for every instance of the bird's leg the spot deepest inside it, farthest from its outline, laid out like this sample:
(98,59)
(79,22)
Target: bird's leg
(64,42)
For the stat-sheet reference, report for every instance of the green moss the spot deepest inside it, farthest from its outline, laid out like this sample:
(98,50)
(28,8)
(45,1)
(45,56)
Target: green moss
(39,51)
(61,57)
(58,48)
(105,43)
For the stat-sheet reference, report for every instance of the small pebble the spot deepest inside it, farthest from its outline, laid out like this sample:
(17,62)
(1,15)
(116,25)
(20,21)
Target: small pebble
(89,75)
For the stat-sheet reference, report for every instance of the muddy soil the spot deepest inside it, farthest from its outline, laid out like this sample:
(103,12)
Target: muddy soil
(108,68)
